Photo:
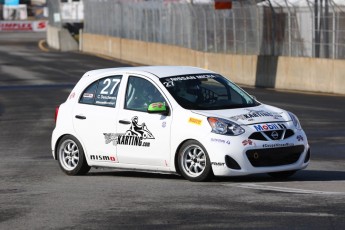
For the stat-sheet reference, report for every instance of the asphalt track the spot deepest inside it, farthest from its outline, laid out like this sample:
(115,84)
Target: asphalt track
(35,194)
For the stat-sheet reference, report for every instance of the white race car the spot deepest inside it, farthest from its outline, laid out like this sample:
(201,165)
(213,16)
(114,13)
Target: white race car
(174,119)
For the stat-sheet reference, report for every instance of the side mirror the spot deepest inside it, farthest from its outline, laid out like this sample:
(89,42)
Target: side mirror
(158,107)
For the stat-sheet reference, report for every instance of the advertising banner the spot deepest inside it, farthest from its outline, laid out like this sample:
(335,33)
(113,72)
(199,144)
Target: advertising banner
(29,26)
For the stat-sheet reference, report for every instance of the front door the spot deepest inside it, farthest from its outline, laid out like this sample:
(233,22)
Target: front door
(142,138)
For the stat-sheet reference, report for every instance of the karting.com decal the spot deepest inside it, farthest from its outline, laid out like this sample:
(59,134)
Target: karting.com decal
(136,135)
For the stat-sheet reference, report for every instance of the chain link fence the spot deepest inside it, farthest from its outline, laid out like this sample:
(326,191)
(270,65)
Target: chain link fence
(265,28)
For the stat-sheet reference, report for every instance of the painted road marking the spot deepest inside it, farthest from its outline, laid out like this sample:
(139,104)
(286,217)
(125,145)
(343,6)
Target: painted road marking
(284,189)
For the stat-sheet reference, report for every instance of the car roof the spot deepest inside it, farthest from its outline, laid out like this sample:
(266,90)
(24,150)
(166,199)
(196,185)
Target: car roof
(159,71)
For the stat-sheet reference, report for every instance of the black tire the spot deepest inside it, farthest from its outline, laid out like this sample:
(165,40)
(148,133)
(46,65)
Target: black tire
(193,162)
(70,155)
(282,175)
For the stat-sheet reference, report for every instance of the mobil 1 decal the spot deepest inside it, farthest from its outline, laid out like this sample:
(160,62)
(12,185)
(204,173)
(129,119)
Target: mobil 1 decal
(136,135)
(269,127)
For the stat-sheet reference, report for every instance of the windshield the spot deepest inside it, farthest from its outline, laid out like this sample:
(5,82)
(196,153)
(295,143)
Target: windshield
(207,92)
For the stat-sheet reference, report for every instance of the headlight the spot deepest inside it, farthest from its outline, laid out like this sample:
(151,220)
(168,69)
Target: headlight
(225,127)
(295,120)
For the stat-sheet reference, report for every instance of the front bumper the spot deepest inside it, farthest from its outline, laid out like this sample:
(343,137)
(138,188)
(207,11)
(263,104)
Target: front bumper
(236,156)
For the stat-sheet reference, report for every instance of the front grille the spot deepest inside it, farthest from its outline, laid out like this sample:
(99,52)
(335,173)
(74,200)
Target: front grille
(257,136)
(272,135)
(288,133)
(274,156)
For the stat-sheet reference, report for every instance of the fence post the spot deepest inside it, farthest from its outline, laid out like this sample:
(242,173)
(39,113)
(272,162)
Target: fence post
(273,32)
(234,29)
(245,30)
(334,34)
(258,34)
(326,29)
(289,28)
(215,32)
(205,30)
(224,32)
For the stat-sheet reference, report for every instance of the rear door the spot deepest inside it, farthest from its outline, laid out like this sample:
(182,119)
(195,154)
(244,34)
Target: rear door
(94,118)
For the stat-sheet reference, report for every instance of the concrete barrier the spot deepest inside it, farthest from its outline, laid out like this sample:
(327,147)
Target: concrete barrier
(291,73)
(53,37)
(61,39)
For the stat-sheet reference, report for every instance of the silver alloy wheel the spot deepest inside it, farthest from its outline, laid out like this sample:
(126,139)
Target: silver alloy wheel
(69,155)
(193,160)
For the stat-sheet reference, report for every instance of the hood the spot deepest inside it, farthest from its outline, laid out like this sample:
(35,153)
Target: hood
(246,116)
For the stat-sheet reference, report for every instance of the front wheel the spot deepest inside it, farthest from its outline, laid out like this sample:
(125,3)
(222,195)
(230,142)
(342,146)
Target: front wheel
(194,162)
(282,175)
(71,156)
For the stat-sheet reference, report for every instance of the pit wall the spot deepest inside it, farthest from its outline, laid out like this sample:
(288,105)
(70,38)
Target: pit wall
(291,73)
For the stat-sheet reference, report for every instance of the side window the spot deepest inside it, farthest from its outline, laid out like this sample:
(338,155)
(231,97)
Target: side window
(102,92)
(88,96)
(140,94)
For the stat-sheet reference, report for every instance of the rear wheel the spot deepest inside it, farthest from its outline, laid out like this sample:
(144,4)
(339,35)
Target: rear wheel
(282,175)
(71,156)
(194,162)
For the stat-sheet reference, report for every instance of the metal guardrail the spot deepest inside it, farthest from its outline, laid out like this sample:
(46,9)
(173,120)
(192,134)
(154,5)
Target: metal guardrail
(249,28)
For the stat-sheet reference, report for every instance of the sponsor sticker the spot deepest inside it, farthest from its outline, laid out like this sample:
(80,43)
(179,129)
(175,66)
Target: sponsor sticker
(220,141)
(103,158)
(195,121)
(300,138)
(110,137)
(157,105)
(255,114)
(88,95)
(169,82)
(136,135)
(191,77)
(277,145)
(248,142)
(218,163)
(268,127)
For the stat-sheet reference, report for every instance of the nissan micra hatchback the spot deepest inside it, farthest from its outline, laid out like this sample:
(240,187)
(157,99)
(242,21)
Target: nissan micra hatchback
(174,119)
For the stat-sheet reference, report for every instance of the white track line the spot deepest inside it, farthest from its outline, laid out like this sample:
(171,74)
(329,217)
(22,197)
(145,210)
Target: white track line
(283,189)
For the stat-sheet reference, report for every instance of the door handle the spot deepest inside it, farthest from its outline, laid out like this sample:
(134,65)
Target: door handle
(124,122)
(80,117)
